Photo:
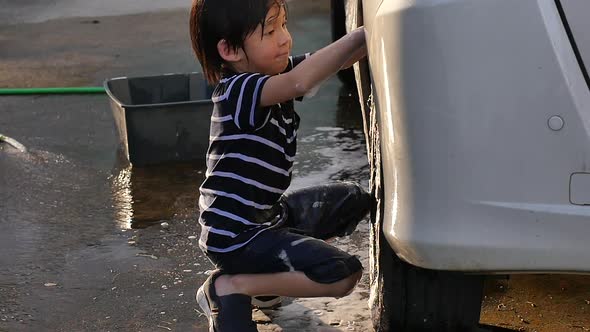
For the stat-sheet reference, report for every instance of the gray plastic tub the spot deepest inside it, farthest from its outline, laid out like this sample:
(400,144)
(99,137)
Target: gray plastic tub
(162,118)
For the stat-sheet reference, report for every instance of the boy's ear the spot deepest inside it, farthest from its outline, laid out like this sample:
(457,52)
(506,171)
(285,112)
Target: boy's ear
(227,53)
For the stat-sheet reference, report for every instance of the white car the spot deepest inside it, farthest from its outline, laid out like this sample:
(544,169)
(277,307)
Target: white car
(477,114)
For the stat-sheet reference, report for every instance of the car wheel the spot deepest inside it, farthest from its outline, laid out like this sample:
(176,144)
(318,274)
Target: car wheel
(338,24)
(408,298)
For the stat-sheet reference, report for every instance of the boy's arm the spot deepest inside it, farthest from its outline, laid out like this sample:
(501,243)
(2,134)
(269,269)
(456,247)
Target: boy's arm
(355,57)
(317,68)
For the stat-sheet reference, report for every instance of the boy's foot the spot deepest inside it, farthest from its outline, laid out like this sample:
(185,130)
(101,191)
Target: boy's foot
(266,301)
(207,299)
(228,313)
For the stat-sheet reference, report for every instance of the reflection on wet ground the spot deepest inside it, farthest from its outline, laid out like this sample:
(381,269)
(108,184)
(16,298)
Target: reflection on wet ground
(151,195)
(319,162)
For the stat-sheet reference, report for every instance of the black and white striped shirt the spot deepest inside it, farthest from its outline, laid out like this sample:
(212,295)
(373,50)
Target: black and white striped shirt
(249,162)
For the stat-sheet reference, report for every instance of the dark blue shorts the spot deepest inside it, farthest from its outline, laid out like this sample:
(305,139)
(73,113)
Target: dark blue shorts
(313,215)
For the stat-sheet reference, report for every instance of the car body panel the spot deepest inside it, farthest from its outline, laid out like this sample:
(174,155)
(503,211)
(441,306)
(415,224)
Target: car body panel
(467,93)
(577,12)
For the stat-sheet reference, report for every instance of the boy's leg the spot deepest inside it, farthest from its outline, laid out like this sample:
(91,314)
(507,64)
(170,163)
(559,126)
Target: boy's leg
(323,212)
(329,210)
(289,264)
(292,284)
(225,299)
(230,313)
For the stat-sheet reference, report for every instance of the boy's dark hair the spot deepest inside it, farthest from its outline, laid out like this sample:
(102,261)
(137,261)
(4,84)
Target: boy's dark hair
(232,20)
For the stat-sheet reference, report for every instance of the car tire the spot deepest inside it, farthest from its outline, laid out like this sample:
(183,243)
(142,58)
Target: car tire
(408,298)
(338,25)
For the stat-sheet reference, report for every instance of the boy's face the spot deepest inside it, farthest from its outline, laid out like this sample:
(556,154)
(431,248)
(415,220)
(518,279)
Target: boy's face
(269,54)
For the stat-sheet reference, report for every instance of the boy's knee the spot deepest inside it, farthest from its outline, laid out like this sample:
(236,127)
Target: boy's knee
(345,286)
(365,198)
(238,283)
(359,199)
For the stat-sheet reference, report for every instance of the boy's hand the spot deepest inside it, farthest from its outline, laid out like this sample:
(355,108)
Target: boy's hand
(359,53)
(355,57)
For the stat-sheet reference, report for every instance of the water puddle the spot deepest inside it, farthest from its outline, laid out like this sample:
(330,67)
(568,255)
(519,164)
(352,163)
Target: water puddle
(148,196)
(331,154)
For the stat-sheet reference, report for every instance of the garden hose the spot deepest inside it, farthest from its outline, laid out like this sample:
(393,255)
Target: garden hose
(43,91)
(13,143)
(52,91)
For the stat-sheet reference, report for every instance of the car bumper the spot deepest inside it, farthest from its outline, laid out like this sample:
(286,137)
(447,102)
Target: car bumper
(477,177)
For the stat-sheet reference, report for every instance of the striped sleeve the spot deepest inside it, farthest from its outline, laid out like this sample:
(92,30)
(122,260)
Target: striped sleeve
(294,60)
(243,95)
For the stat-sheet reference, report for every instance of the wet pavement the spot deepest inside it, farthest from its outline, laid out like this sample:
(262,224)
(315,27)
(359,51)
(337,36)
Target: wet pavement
(90,244)
(31,11)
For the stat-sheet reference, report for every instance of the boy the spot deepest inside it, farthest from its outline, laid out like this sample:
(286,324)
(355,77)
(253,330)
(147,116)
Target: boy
(262,240)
